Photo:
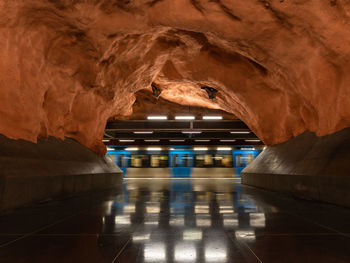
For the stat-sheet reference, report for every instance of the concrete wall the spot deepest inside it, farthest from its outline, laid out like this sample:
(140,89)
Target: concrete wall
(306,166)
(50,169)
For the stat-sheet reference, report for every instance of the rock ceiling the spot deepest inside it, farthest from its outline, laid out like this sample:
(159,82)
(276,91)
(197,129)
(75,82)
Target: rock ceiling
(67,66)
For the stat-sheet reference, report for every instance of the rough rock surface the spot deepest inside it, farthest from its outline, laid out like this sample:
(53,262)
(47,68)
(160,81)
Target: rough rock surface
(146,104)
(66,66)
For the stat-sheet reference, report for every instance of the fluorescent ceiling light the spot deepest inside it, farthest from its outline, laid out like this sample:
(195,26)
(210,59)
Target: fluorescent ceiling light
(248,149)
(106,140)
(132,149)
(122,140)
(200,148)
(154,149)
(143,132)
(176,140)
(212,117)
(184,117)
(224,148)
(252,140)
(172,149)
(227,140)
(157,118)
(194,132)
(151,140)
(110,149)
(240,132)
(202,140)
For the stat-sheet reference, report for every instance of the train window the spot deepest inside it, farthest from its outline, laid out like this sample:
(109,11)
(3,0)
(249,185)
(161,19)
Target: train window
(244,159)
(223,160)
(163,161)
(199,160)
(204,160)
(159,160)
(154,160)
(140,160)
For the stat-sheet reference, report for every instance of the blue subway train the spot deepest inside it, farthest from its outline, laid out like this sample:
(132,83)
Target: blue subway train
(181,160)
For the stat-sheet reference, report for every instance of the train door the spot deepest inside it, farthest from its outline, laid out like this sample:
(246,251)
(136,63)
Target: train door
(181,162)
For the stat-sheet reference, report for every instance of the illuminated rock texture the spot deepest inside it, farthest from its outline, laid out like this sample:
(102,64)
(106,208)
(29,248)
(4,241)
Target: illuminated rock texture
(146,105)
(67,66)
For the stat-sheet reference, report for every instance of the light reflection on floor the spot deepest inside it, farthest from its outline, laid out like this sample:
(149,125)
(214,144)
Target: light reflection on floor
(184,220)
(181,220)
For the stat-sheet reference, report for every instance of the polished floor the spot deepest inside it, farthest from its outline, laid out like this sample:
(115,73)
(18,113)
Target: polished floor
(177,220)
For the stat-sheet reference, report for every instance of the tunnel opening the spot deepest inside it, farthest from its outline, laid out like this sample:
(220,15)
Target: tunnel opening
(163,139)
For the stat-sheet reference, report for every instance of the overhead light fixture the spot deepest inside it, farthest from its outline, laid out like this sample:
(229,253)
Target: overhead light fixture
(252,140)
(227,140)
(143,132)
(176,140)
(212,117)
(194,132)
(154,149)
(155,90)
(247,149)
(172,149)
(122,140)
(200,149)
(202,140)
(210,91)
(106,140)
(240,132)
(132,149)
(157,118)
(110,149)
(184,117)
(224,148)
(151,140)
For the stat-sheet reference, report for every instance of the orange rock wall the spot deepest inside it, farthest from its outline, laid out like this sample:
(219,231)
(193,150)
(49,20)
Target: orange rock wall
(67,66)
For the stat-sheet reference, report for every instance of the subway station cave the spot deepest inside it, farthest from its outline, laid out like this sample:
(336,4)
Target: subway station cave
(174,131)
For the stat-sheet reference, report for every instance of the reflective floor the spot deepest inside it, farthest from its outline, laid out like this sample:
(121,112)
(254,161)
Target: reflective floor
(177,220)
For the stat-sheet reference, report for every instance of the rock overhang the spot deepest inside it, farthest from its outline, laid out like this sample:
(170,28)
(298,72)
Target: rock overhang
(68,66)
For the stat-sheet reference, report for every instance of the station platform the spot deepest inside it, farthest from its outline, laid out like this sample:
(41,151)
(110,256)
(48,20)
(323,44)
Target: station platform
(180,172)
(177,220)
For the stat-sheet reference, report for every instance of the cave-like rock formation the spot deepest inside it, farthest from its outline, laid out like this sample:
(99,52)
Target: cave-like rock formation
(146,104)
(67,66)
